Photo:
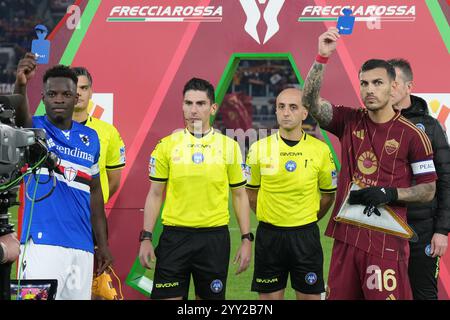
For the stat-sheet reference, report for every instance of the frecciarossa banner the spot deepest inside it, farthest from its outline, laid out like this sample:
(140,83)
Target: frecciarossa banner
(141,53)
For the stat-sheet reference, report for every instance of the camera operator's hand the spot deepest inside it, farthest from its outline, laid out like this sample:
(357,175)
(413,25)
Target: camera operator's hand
(26,69)
(10,247)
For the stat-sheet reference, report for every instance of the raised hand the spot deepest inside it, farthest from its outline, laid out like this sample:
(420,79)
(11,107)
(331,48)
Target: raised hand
(328,41)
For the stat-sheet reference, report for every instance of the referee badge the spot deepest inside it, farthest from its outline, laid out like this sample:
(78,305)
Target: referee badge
(216,286)
(152,166)
(122,154)
(311,278)
(334,178)
(246,171)
(290,166)
(198,158)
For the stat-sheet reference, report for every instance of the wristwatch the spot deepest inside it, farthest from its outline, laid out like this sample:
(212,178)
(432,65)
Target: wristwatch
(249,236)
(145,235)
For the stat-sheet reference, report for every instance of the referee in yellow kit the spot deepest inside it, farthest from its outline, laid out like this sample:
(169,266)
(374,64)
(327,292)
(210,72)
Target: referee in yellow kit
(197,166)
(291,186)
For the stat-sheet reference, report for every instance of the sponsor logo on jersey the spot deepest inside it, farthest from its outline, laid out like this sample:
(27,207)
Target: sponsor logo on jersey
(290,154)
(367,163)
(74,152)
(198,145)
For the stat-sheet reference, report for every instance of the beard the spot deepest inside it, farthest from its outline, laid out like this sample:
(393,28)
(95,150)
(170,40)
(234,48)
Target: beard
(59,119)
(379,106)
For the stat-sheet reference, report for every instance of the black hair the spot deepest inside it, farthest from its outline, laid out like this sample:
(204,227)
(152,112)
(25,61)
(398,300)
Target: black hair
(404,66)
(82,71)
(60,71)
(379,63)
(200,85)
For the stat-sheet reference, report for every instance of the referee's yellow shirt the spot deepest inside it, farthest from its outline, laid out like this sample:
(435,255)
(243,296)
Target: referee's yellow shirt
(198,173)
(290,179)
(112,151)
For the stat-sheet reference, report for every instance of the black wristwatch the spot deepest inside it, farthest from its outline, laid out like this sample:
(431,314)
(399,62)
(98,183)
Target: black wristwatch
(249,236)
(145,235)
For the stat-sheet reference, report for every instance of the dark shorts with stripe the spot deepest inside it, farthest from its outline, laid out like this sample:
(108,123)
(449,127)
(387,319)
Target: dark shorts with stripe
(203,253)
(280,251)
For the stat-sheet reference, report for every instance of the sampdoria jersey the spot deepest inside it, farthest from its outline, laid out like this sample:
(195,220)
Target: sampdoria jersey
(112,151)
(389,154)
(198,173)
(64,218)
(290,179)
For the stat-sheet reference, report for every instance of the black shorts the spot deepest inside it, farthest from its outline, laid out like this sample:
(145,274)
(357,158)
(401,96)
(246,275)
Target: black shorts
(280,251)
(203,253)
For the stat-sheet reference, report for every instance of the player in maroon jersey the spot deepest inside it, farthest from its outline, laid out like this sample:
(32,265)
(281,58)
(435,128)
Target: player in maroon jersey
(384,153)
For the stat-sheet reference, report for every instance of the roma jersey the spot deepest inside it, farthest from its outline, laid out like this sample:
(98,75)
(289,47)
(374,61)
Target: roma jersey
(389,154)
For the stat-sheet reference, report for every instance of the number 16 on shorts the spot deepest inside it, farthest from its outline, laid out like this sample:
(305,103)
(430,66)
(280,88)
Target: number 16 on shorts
(379,280)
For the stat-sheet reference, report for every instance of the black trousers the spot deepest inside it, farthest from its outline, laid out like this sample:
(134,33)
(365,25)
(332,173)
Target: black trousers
(423,270)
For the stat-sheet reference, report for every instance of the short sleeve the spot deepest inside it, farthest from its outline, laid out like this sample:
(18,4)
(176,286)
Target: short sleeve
(421,158)
(115,155)
(159,164)
(95,169)
(253,168)
(236,168)
(327,172)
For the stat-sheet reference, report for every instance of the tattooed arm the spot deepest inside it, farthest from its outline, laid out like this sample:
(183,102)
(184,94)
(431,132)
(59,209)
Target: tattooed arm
(423,192)
(319,108)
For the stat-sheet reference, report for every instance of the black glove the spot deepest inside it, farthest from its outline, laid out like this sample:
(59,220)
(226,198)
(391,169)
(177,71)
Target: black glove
(369,210)
(373,196)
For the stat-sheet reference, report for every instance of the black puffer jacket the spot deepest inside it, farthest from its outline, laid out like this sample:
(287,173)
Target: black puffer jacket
(439,208)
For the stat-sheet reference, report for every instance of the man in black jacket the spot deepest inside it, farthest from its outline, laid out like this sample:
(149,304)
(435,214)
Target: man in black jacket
(431,220)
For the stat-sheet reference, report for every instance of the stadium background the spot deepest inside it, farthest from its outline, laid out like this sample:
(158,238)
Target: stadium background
(140,65)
